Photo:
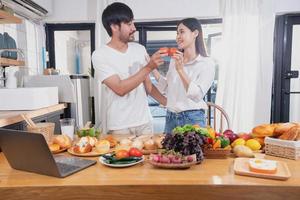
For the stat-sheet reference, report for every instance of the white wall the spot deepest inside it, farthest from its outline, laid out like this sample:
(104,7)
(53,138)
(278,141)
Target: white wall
(285,6)
(173,9)
(86,10)
(73,11)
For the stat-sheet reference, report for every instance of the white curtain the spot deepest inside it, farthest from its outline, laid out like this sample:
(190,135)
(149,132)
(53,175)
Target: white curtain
(245,76)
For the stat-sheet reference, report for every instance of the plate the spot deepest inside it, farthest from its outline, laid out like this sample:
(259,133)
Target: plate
(172,166)
(241,167)
(89,154)
(59,151)
(102,161)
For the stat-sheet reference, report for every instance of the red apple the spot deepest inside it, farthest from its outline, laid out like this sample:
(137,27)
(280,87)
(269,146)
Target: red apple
(230,135)
(245,136)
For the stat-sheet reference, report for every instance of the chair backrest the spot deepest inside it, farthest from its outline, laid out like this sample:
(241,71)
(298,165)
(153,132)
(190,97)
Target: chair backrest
(215,114)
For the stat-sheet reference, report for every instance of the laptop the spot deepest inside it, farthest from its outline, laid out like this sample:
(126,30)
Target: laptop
(30,152)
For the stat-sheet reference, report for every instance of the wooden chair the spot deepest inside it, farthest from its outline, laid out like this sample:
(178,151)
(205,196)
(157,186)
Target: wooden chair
(217,110)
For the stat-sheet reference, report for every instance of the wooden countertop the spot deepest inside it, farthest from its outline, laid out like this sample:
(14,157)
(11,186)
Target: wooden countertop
(213,179)
(12,117)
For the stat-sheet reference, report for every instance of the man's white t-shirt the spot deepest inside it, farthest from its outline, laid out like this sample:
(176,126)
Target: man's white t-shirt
(130,110)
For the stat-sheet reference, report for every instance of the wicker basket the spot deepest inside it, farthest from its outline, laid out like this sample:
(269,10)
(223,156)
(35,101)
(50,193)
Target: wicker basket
(46,129)
(216,153)
(282,148)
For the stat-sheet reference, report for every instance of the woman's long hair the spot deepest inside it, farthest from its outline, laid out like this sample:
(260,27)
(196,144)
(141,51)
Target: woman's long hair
(193,24)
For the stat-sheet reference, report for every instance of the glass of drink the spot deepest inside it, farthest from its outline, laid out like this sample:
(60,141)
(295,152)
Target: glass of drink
(67,126)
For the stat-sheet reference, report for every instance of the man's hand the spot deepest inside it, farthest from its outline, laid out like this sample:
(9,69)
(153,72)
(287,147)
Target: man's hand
(156,59)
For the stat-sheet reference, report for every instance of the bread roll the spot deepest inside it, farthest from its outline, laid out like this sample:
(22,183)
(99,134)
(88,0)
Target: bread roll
(113,142)
(83,148)
(103,146)
(150,145)
(54,147)
(282,128)
(63,141)
(87,139)
(264,130)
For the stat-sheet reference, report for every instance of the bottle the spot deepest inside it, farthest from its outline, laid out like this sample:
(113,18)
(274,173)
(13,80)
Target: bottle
(11,75)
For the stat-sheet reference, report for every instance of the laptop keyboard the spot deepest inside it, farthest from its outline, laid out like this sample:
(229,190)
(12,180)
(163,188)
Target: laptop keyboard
(65,168)
(70,164)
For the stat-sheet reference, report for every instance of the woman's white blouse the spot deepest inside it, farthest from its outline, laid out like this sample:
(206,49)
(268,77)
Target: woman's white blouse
(201,72)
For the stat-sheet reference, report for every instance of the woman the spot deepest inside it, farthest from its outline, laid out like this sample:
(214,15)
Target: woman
(191,74)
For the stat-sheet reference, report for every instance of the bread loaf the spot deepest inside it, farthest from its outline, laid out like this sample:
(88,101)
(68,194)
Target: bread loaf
(63,141)
(292,134)
(282,128)
(264,130)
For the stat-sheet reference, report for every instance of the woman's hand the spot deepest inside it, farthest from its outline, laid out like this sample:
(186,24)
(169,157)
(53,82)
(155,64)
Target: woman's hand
(178,57)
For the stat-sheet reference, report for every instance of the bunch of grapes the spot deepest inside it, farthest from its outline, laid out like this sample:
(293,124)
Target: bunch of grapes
(187,143)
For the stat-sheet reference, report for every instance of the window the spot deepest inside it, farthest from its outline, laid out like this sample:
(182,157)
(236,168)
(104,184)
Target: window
(154,35)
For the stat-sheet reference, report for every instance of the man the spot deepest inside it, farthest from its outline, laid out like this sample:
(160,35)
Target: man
(123,69)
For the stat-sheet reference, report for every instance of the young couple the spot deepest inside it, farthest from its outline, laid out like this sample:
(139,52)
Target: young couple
(123,68)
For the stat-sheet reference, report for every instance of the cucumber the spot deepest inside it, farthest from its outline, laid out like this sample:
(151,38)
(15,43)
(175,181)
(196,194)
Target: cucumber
(113,160)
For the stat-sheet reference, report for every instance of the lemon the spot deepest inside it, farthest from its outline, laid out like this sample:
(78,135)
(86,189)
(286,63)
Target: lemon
(239,141)
(103,146)
(253,144)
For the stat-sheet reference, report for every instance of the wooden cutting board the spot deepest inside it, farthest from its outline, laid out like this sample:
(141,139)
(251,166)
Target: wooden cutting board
(241,167)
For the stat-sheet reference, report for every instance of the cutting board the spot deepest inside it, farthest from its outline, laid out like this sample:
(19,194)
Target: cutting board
(241,167)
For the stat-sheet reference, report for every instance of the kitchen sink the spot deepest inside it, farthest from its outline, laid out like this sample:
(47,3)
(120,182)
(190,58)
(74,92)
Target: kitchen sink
(28,98)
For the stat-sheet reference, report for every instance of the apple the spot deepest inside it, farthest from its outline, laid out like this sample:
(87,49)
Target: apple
(230,135)
(245,136)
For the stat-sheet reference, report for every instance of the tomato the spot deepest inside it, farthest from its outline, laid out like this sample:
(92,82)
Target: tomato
(135,152)
(164,49)
(172,51)
(122,154)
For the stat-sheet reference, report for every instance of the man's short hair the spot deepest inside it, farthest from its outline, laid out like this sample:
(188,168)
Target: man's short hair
(116,13)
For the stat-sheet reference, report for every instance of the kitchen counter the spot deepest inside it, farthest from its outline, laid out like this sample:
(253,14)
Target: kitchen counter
(213,179)
(12,117)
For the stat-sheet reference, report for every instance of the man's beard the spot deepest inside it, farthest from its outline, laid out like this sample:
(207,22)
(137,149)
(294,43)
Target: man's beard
(130,38)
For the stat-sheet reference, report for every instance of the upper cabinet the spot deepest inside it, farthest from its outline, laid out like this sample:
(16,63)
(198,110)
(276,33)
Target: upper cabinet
(7,18)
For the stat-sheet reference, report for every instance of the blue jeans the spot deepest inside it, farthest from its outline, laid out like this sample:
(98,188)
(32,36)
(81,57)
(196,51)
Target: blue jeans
(185,117)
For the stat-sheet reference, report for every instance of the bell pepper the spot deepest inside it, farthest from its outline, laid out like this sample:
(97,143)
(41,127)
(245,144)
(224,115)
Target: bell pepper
(211,132)
(217,144)
(209,140)
(224,141)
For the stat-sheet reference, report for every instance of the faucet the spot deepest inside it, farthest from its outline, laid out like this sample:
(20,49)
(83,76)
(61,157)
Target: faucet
(2,68)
